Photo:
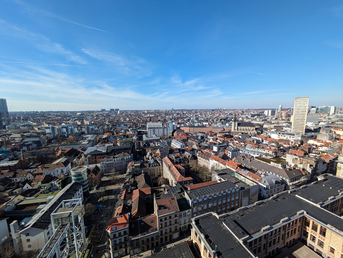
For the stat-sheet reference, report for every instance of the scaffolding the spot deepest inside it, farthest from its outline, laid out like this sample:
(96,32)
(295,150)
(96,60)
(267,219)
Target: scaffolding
(68,231)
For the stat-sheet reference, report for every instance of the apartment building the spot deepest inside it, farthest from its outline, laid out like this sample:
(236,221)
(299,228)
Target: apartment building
(38,230)
(144,234)
(264,228)
(118,234)
(213,197)
(117,163)
(167,211)
(173,175)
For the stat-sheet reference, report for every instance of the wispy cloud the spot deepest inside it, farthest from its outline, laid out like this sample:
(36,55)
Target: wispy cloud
(192,85)
(53,15)
(42,86)
(255,92)
(335,43)
(72,22)
(337,10)
(124,64)
(39,41)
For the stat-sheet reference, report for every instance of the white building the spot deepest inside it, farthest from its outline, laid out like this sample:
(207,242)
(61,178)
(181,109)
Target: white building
(270,185)
(118,162)
(157,130)
(286,136)
(51,130)
(38,230)
(177,144)
(332,110)
(299,115)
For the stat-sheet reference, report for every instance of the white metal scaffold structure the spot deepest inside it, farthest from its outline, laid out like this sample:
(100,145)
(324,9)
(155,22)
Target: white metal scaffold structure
(69,231)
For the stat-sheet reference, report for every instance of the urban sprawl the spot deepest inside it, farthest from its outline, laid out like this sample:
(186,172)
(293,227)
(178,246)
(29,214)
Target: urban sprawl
(172,183)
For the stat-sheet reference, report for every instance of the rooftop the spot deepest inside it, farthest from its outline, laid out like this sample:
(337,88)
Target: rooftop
(211,189)
(322,190)
(167,204)
(216,234)
(270,212)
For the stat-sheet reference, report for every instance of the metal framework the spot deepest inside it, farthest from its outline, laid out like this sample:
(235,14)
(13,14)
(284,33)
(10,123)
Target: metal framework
(68,235)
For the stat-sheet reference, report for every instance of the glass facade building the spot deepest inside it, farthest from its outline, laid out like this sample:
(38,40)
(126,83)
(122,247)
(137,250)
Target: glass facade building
(80,175)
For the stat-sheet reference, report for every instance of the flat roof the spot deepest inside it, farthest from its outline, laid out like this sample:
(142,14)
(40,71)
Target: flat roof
(230,176)
(32,201)
(211,189)
(270,212)
(216,234)
(322,190)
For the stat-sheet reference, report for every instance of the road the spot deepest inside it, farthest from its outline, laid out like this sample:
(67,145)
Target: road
(106,195)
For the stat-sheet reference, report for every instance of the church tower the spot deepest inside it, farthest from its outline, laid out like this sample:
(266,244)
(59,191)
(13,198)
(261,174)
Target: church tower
(234,124)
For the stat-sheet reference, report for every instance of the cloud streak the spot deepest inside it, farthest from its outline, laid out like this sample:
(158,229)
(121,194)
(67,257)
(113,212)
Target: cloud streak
(123,64)
(53,15)
(66,92)
(39,41)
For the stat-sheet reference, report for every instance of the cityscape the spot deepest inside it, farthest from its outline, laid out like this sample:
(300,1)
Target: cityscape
(188,183)
(183,129)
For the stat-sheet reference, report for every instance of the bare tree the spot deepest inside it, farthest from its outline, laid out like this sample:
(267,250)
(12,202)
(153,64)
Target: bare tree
(7,250)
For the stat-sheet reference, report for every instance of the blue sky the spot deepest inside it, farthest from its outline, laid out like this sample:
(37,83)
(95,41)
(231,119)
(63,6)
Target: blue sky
(86,55)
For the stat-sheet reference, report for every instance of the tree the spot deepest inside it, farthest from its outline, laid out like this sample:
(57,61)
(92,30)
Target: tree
(7,250)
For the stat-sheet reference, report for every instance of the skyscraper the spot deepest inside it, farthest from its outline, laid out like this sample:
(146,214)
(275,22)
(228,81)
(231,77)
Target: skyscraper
(299,115)
(280,108)
(4,116)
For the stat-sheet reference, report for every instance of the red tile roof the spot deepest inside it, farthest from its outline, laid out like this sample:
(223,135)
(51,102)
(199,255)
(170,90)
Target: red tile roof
(194,186)
(118,223)
(297,152)
(173,170)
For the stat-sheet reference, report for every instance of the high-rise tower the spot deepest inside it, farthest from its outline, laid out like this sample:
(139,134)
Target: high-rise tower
(4,116)
(299,115)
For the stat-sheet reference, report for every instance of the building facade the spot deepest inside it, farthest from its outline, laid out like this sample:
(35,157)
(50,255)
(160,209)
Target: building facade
(4,116)
(300,115)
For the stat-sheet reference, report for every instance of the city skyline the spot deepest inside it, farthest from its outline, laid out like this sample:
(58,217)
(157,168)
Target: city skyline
(163,55)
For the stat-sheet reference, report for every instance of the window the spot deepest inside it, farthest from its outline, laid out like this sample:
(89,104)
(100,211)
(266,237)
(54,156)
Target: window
(314,226)
(332,250)
(305,234)
(322,231)
(28,240)
(27,234)
(313,238)
(319,252)
(307,223)
(29,246)
(320,243)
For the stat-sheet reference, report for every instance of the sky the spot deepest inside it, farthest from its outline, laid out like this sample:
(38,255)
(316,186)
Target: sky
(90,55)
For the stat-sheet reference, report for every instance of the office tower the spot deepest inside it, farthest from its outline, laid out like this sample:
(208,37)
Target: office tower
(4,116)
(332,110)
(299,115)
(280,108)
